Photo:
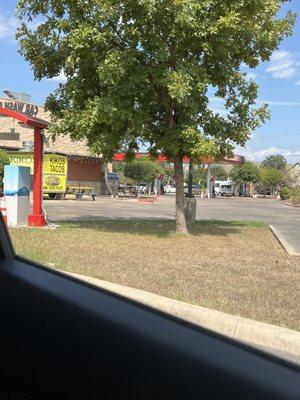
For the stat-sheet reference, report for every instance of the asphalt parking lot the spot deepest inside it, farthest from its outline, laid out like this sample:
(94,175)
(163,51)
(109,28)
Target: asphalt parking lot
(285,219)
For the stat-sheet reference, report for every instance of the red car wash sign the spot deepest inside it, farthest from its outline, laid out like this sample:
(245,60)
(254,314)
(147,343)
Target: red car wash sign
(17,106)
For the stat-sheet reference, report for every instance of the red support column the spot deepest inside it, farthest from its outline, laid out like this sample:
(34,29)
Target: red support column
(37,218)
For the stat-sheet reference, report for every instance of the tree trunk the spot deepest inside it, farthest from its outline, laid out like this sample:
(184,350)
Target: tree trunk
(106,181)
(181,225)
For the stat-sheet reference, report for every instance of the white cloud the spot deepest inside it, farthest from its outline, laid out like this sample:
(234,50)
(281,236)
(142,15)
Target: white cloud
(259,155)
(8,27)
(60,78)
(278,103)
(297,83)
(283,65)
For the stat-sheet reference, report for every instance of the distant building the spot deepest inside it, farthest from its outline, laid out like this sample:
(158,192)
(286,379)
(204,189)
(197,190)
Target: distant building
(294,174)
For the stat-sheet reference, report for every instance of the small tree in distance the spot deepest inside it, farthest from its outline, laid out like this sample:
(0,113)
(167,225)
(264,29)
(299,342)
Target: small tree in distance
(219,172)
(245,173)
(142,171)
(277,161)
(271,178)
(168,171)
(200,174)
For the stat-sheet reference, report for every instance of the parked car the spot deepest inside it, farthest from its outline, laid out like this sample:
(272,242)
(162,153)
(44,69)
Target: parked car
(195,189)
(141,188)
(170,189)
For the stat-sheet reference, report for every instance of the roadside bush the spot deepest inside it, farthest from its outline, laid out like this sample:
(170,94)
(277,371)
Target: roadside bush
(285,193)
(296,195)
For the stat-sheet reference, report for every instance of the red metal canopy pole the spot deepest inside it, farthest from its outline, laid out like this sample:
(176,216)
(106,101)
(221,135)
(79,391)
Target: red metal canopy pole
(37,218)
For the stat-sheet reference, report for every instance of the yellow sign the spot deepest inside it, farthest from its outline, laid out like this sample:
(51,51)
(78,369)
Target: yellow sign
(55,168)
(54,183)
(55,164)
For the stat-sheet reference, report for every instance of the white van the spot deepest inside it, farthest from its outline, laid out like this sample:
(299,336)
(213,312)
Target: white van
(224,188)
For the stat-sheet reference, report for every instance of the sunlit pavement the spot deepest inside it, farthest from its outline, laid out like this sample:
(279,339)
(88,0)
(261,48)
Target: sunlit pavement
(285,219)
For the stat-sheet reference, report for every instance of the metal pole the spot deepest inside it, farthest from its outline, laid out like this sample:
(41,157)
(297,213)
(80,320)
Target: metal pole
(190,184)
(208,187)
(37,218)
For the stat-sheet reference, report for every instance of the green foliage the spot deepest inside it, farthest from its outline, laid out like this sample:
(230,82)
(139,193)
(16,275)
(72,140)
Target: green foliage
(118,166)
(271,178)
(277,161)
(4,160)
(142,69)
(245,173)
(285,193)
(168,172)
(219,172)
(200,174)
(142,171)
(295,195)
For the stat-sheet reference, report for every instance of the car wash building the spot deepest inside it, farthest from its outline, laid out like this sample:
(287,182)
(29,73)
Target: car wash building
(66,163)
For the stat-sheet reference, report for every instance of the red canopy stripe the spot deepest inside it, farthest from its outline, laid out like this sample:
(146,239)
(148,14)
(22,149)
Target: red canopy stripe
(24,118)
(204,160)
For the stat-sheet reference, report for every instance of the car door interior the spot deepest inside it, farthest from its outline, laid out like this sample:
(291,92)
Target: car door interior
(65,339)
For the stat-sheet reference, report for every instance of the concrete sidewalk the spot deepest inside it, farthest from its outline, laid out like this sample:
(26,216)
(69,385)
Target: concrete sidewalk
(274,339)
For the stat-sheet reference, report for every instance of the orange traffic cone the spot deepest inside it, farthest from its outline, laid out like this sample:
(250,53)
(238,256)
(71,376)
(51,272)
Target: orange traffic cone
(3,209)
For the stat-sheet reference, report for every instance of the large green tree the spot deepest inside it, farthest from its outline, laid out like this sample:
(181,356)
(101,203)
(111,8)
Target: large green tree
(143,71)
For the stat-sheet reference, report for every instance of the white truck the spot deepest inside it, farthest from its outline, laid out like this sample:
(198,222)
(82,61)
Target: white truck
(224,188)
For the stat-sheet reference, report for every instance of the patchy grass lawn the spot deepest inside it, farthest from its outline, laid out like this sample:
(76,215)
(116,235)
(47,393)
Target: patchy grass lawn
(235,267)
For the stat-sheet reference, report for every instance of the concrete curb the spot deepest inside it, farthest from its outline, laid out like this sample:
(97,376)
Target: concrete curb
(281,239)
(290,204)
(275,339)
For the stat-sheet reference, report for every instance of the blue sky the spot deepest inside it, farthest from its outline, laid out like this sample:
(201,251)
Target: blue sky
(279,82)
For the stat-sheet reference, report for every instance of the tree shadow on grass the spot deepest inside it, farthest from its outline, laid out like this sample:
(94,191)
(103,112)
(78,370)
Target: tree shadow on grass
(160,228)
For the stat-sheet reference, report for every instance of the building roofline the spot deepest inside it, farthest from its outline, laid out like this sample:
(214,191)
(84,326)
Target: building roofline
(20,101)
(292,166)
(24,118)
